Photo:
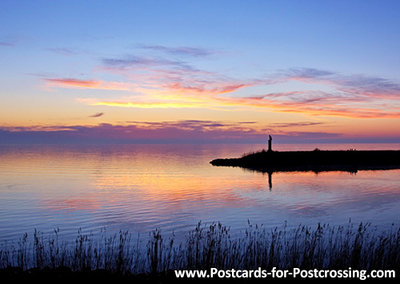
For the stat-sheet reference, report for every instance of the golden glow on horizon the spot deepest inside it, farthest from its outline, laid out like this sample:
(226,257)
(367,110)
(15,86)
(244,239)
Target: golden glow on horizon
(260,105)
(217,98)
(159,100)
(147,105)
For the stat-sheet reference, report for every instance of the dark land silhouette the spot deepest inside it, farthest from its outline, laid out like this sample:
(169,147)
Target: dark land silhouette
(317,160)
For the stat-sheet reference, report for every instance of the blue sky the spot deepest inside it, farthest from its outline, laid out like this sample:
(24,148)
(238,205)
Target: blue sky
(323,67)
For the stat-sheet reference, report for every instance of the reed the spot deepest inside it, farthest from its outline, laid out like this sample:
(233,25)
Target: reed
(210,245)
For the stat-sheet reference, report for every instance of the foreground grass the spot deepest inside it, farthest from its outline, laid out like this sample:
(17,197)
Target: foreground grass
(323,246)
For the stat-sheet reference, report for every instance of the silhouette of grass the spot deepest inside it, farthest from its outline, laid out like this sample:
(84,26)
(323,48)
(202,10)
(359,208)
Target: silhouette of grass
(323,246)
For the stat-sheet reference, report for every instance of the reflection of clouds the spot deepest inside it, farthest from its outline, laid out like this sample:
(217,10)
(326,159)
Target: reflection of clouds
(144,183)
(139,183)
(72,204)
(164,186)
(174,189)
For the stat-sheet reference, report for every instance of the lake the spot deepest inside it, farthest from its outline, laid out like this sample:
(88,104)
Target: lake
(172,187)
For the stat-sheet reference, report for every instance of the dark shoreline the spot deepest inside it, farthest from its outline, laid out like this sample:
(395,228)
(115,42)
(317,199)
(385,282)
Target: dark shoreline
(316,161)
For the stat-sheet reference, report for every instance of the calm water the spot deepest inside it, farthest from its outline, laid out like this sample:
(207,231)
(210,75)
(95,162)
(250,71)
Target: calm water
(172,187)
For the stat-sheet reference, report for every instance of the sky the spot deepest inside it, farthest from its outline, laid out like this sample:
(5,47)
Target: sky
(199,71)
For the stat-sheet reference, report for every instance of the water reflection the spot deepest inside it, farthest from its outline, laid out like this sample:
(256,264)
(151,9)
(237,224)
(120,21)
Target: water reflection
(269,174)
(172,187)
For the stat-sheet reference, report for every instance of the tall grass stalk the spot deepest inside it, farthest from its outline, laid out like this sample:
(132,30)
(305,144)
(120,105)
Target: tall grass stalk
(210,245)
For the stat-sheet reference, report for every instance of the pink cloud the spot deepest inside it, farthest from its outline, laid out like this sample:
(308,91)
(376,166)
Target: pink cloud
(86,84)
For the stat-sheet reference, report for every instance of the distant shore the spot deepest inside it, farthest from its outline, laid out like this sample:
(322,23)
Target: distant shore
(316,160)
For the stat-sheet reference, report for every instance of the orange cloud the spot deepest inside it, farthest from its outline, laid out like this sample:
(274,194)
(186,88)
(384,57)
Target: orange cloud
(315,108)
(162,83)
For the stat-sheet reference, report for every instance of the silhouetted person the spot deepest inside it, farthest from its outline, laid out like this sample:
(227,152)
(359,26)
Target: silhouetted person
(270,144)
